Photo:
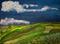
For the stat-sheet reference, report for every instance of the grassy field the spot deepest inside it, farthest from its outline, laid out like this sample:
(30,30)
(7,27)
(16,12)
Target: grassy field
(38,33)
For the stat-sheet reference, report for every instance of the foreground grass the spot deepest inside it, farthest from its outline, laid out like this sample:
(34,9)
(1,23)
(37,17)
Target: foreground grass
(39,33)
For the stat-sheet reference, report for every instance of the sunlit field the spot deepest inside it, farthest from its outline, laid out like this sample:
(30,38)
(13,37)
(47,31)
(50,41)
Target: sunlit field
(38,33)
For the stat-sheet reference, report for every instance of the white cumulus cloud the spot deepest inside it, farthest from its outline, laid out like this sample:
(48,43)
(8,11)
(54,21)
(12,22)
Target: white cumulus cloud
(10,5)
(14,5)
(7,21)
(30,5)
(45,8)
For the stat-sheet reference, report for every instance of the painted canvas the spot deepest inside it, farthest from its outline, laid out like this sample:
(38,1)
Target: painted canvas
(29,21)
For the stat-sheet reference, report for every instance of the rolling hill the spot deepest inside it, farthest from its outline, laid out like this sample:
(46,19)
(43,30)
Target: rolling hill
(38,33)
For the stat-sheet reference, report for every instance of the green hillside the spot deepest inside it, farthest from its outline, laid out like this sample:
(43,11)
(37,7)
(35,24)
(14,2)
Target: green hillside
(39,33)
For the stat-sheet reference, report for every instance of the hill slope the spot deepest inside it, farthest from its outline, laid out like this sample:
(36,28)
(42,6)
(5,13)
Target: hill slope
(39,33)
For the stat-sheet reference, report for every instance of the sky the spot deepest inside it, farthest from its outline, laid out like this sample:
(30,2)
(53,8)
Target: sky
(31,10)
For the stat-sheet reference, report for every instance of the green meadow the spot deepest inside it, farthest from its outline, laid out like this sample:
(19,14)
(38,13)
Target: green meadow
(38,33)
